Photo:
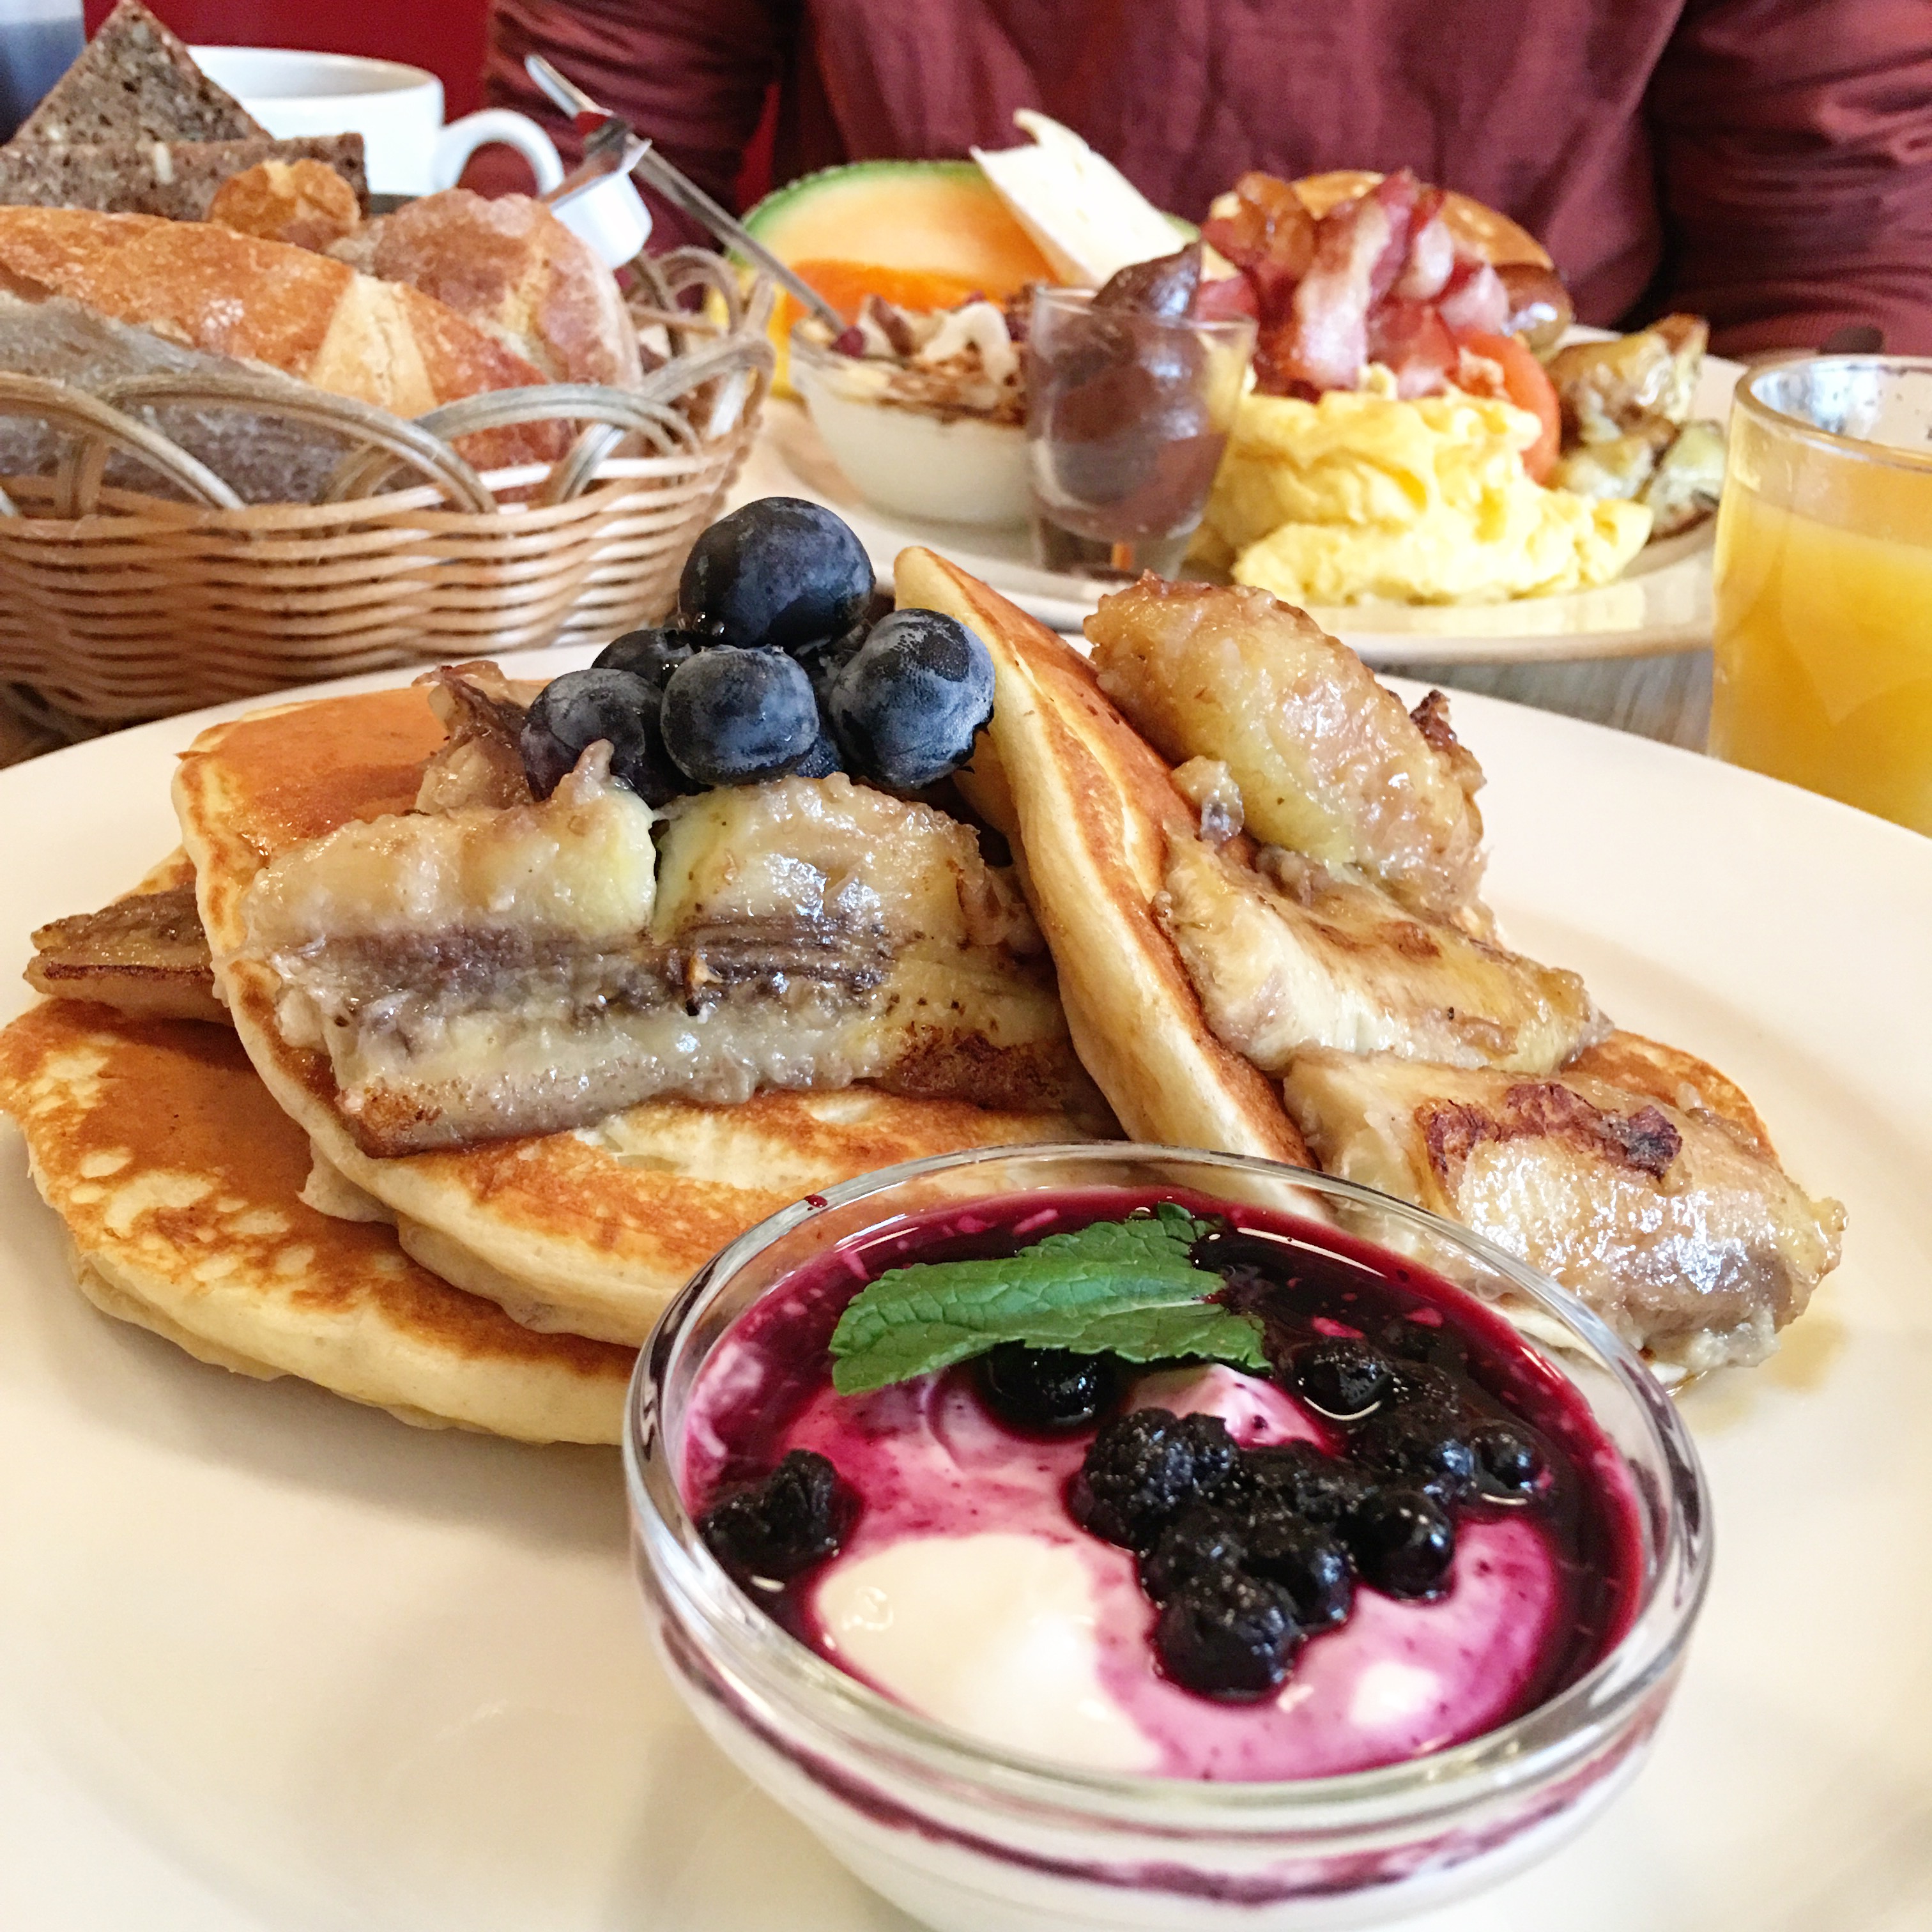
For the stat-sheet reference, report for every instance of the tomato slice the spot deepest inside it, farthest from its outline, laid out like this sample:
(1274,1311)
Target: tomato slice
(1526,385)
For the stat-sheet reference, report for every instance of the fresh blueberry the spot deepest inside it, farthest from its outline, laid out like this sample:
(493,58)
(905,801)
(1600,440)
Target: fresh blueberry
(1310,1563)
(821,762)
(1422,1386)
(1227,1634)
(907,705)
(1047,1389)
(653,654)
(1409,1340)
(776,1529)
(775,574)
(1143,1470)
(1341,1378)
(1403,1542)
(1201,1539)
(1213,1450)
(575,710)
(1297,1478)
(734,717)
(824,657)
(1509,1466)
(1421,1446)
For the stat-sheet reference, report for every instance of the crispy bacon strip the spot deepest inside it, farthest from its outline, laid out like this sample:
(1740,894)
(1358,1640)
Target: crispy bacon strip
(1475,301)
(1378,279)
(1270,238)
(1326,339)
(1409,336)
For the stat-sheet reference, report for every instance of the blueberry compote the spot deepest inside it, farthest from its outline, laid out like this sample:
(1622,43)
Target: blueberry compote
(1412,1531)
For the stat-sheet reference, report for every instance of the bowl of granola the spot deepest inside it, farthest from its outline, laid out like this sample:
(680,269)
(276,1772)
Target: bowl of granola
(925,412)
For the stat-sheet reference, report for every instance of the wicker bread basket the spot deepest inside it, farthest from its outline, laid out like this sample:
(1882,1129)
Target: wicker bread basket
(118,603)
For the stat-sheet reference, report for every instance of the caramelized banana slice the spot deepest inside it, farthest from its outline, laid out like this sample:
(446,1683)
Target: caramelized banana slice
(1676,1226)
(1328,761)
(145,954)
(1302,958)
(483,973)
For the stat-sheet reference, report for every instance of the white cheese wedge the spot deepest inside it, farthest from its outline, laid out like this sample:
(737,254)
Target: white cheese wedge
(1085,217)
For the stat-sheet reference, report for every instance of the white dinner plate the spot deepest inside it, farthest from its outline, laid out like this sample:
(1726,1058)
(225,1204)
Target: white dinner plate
(1661,603)
(271,1662)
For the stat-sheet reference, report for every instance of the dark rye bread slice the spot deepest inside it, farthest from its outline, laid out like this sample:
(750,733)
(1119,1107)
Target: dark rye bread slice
(135,81)
(175,179)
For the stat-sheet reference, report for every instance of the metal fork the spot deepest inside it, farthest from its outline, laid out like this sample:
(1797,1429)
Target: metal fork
(613,144)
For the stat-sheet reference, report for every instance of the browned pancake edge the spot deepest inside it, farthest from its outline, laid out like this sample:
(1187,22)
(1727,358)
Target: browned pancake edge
(1091,807)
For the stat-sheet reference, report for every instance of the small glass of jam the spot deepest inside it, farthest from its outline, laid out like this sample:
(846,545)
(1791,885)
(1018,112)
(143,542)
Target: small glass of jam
(1128,411)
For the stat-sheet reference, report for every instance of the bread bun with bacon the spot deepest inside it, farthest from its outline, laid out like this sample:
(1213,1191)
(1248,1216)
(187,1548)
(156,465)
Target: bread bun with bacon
(1540,306)
(1482,229)
(1352,268)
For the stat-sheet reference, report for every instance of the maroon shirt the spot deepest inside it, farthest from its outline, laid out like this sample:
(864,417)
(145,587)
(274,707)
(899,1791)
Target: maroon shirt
(1766,163)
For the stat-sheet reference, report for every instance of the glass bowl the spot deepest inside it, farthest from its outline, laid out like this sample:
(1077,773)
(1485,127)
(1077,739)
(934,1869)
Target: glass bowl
(971,1838)
(909,462)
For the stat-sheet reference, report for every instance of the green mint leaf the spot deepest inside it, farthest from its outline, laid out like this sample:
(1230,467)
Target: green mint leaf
(1124,1287)
(1203,1329)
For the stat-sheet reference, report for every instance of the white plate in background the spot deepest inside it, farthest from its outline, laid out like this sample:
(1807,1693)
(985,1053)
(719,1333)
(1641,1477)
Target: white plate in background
(1661,603)
(271,1662)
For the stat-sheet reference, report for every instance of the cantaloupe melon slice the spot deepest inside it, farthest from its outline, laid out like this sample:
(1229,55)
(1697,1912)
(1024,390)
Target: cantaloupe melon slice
(926,234)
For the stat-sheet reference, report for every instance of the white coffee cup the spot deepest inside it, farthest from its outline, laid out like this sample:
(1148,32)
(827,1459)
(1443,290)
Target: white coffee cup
(398,109)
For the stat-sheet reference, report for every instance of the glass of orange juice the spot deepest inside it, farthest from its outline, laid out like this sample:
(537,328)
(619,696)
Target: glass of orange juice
(1822,589)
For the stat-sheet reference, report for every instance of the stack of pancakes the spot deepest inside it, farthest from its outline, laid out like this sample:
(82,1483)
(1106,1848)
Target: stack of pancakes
(217,1191)
(213,1194)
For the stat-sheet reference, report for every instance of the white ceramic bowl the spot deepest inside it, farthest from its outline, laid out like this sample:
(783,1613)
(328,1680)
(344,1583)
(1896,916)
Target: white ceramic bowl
(972,1838)
(966,470)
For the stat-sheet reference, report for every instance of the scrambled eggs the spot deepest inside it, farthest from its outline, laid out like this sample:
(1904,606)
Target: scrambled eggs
(1360,495)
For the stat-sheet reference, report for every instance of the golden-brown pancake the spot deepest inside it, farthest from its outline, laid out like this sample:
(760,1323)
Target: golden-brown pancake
(178,1178)
(1677,1078)
(591,1231)
(1089,807)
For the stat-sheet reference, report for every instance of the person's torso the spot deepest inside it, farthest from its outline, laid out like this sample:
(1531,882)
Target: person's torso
(1537,109)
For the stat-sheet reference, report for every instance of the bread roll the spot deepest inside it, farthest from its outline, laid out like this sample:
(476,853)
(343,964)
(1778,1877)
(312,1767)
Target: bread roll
(304,203)
(1492,237)
(263,301)
(512,267)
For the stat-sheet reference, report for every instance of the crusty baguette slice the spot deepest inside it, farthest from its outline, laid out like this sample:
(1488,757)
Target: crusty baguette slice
(1089,808)
(265,458)
(232,295)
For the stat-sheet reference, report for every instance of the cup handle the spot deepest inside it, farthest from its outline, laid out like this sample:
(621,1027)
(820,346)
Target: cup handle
(461,139)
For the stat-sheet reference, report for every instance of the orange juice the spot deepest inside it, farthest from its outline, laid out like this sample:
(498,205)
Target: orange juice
(1823,616)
